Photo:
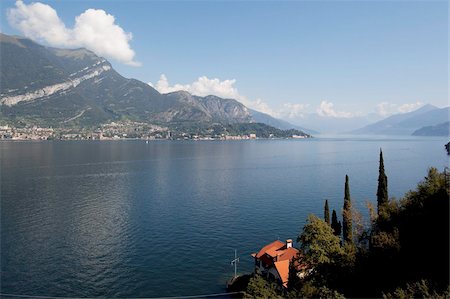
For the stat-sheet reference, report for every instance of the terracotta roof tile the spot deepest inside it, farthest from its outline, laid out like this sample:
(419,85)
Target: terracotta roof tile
(282,268)
(274,245)
(278,255)
(288,254)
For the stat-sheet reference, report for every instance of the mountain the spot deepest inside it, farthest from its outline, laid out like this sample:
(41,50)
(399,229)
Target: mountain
(407,123)
(442,129)
(264,118)
(59,87)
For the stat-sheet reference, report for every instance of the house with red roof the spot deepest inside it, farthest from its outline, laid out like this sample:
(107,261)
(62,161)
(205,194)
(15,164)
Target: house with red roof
(273,261)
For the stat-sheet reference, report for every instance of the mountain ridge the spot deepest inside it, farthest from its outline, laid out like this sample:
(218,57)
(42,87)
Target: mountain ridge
(407,123)
(442,129)
(47,86)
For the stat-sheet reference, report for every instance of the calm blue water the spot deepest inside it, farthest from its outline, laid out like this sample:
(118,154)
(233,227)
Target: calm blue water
(129,219)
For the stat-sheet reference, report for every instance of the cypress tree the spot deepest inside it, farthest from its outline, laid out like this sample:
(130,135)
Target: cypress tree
(293,279)
(335,224)
(347,215)
(326,212)
(382,192)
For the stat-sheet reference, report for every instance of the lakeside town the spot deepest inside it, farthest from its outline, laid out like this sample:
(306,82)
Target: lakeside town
(127,131)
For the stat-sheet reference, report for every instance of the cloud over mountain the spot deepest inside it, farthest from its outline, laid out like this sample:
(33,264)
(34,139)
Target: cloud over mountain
(293,110)
(94,29)
(204,86)
(386,108)
(326,109)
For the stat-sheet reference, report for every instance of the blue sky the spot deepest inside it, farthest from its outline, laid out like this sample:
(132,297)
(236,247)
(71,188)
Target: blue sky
(340,59)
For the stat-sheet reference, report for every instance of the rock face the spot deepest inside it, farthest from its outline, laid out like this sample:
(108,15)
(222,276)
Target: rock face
(50,87)
(72,81)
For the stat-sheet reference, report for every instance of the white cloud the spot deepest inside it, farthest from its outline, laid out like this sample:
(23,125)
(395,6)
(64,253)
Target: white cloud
(204,86)
(405,108)
(326,109)
(94,29)
(261,106)
(293,110)
(386,108)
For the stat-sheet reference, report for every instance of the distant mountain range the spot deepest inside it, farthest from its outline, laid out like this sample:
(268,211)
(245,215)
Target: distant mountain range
(58,87)
(45,87)
(277,123)
(442,129)
(407,123)
(333,125)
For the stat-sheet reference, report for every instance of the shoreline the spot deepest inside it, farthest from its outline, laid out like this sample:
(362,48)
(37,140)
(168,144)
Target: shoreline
(152,140)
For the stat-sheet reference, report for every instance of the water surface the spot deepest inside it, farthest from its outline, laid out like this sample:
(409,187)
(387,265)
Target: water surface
(130,219)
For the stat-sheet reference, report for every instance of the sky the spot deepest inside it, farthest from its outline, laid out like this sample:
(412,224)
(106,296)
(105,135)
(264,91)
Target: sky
(336,59)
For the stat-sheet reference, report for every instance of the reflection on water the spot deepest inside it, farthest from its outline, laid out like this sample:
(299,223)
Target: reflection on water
(121,219)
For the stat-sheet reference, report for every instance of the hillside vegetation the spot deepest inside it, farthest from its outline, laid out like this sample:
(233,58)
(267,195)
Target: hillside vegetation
(404,253)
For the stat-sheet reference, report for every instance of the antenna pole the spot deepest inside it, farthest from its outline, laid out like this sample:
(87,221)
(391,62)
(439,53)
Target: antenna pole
(235,261)
(235,264)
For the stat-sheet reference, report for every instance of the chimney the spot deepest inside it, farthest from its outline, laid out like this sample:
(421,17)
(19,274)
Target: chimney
(288,243)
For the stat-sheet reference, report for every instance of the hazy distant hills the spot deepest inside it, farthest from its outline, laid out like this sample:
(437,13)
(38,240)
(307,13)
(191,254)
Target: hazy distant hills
(54,87)
(407,123)
(442,129)
(277,123)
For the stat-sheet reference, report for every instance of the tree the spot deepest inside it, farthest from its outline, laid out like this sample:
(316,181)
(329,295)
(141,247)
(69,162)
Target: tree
(293,279)
(419,289)
(382,191)
(347,215)
(258,287)
(335,224)
(381,261)
(421,216)
(318,242)
(326,212)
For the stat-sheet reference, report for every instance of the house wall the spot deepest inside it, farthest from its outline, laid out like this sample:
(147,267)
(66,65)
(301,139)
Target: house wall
(260,266)
(275,274)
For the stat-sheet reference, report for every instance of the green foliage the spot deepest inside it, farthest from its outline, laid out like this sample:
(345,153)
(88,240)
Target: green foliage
(326,212)
(258,287)
(419,289)
(387,241)
(327,293)
(310,290)
(433,184)
(347,220)
(217,130)
(261,130)
(306,290)
(382,191)
(318,242)
(293,279)
(408,241)
(335,224)
(410,238)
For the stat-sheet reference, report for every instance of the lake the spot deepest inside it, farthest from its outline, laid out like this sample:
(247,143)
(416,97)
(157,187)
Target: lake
(130,219)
